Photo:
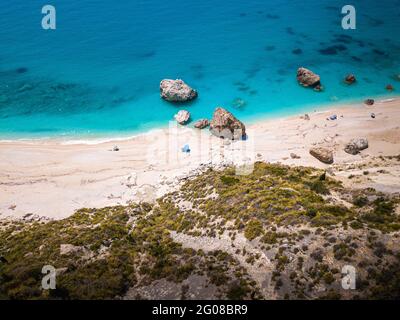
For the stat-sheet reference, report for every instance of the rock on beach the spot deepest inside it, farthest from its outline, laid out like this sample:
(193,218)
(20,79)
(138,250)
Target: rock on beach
(324,155)
(225,125)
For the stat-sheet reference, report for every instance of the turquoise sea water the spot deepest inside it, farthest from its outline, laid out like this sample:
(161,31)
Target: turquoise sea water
(98,74)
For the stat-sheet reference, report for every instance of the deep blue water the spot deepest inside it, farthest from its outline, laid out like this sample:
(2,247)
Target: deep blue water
(99,72)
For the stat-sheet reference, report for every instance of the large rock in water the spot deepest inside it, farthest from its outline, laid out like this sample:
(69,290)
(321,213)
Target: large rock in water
(182,117)
(225,125)
(322,154)
(176,91)
(354,146)
(307,78)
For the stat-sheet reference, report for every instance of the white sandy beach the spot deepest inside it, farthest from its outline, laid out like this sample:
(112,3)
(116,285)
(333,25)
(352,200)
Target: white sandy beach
(53,179)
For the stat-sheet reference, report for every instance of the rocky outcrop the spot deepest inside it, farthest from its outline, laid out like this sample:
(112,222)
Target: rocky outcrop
(225,125)
(322,154)
(182,117)
(350,79)
(307,78)
(354,146)
(176,91)
(201,124)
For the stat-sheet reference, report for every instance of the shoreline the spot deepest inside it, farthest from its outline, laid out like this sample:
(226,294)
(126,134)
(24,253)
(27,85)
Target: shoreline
(61,178)
(250,120)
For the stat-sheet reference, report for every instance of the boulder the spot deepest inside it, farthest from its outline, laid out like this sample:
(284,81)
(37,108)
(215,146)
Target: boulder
(176,91)
(225,125)
(350,79)
(201,124)
(354,146)
(322,154)
(307,78)
(182,117)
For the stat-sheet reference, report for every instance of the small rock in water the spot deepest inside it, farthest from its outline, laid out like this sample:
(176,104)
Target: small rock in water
(182,117)
(369,102)
(322,154)
(350,79)
(333,117)
(389,87)
(306,117)
(115,148)
(354,146)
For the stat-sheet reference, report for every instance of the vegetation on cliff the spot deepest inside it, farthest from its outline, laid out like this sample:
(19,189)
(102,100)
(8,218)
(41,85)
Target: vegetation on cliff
(294,226)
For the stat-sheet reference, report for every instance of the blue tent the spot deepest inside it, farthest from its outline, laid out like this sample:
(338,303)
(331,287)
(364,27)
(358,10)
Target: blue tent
(186,148)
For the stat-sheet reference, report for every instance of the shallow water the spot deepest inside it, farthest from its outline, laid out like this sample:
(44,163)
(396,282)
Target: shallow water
(98,74)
